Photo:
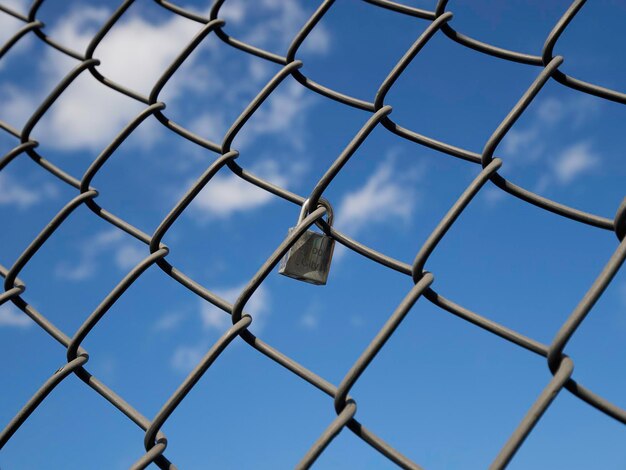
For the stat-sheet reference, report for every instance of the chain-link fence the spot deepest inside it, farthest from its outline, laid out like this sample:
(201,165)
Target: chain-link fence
(155,442)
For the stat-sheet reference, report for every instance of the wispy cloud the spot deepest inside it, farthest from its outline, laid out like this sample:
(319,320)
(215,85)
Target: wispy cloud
(574,112)
(227,193)
(532,144)
(357,321)
(185,358)
(525,140)
(574,162)
(17,104)
(169,321)
(309,321)
(9,25)
(133,39)
(11,192)
(285,110)
(111,244)
(527,144)
(385,197)
(492,195)
(16,5)
(551,110)
(312,315)
(22,196)
(11,316)
(154,45)
(215,320)
(282,20)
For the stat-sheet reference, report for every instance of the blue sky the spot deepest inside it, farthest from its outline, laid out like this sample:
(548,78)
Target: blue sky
(442,391)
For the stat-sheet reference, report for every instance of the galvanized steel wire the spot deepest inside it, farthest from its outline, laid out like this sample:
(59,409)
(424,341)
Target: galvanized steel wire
(155,442)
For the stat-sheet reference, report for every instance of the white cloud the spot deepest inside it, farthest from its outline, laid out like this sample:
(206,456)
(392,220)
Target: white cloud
(311,315)
(533,143)
(11,192)
(492,195)
(135,53)
(169,322)
(128,256)
(574,162)
(75,111)
(309,321)
(233,11)
(283,111)
(550,111)
(78,272)
(186,357)
(77,27)
(522,145)
(386,196)
(17,104)
(518,141)
(215,318)
(11,316)
(227,193)
(284,19)
(357,321)
(16,5)
(113,243)
(212,125)
(318,40)
(14,193)
(8,24)
(106,367)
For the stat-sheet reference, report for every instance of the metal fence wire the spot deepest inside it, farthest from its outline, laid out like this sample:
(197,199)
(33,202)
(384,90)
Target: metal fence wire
(155,441)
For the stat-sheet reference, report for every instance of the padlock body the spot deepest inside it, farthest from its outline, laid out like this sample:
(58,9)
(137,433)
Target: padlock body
(309,258)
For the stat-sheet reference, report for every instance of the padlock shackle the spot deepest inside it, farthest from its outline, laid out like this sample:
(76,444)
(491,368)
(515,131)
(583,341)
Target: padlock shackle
(322,202)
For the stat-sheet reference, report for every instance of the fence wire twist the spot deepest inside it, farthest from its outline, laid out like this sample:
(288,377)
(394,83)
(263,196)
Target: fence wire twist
(155,442)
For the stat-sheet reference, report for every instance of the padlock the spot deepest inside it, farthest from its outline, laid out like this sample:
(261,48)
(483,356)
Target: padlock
(309,257)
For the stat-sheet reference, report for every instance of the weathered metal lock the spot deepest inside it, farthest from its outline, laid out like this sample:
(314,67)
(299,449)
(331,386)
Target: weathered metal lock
(309,257)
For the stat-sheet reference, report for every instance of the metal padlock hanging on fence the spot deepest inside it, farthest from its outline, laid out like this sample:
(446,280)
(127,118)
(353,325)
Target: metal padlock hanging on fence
(309,257)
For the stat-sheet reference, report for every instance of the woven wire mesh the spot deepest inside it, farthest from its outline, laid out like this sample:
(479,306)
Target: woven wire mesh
(155,442)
